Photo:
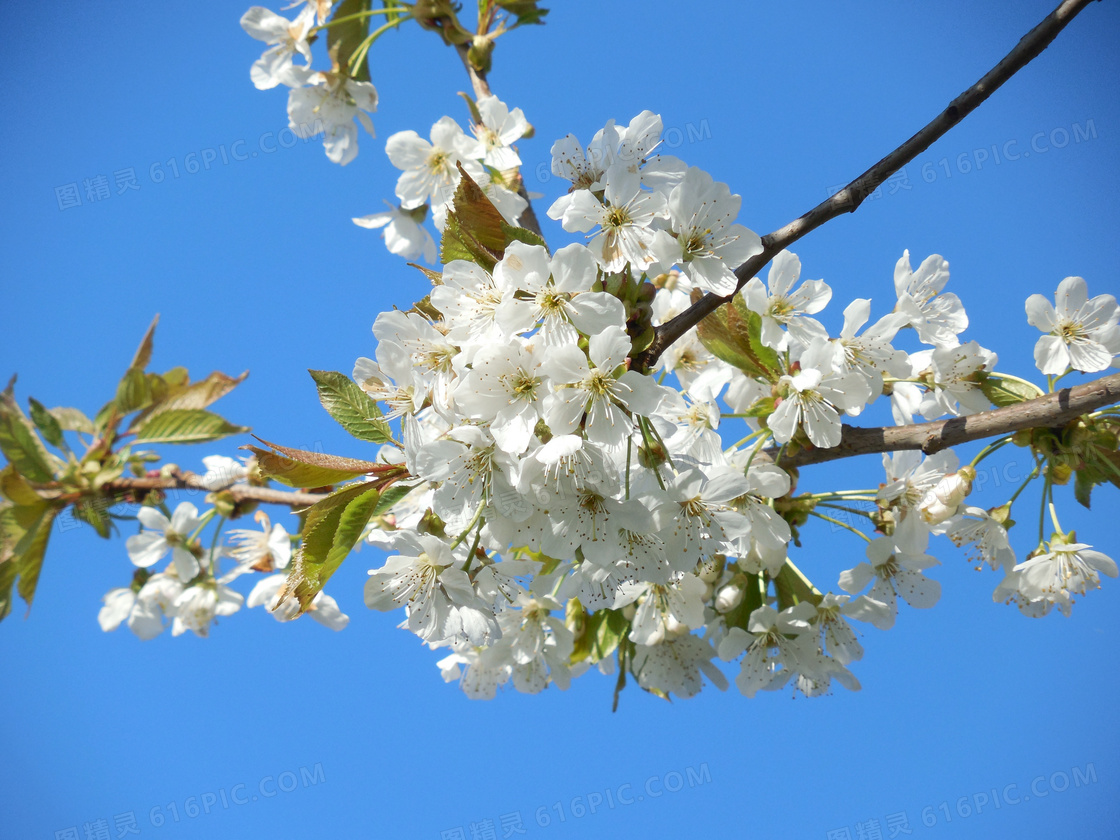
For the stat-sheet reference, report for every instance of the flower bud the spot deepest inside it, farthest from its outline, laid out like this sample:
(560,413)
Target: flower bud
(728,598)
(942,501)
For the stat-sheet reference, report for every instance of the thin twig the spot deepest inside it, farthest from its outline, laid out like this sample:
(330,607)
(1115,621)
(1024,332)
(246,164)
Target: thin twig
(239,492)
(850,198)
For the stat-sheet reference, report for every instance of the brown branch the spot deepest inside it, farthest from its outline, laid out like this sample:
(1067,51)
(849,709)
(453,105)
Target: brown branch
(849,199)
(239,492)
(479,84)
(1049,411)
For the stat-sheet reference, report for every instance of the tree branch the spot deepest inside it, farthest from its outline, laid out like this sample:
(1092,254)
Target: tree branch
(1049,411)
(239,492)
(850,198)
(479,84)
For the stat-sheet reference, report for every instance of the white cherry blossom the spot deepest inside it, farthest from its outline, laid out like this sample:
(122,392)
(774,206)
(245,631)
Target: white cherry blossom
(1081,332)
(781,306)
(404,235)
(330,106)
(163,535)
(938,318)
(288,39)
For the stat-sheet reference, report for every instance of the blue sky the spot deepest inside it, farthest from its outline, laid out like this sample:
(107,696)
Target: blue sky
(254,264)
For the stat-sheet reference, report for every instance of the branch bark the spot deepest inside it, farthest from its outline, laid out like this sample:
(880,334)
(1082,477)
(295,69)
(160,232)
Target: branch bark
(852,196)
(479,84)
(1049,411)
(239,492)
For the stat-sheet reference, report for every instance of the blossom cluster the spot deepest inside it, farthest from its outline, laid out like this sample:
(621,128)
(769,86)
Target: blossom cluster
(561,506)
(192,591)
(319,101)
(554,483)
(431,171)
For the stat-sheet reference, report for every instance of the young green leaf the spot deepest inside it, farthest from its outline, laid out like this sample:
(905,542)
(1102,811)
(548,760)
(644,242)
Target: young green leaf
(46,423)
(73,420)
(143,353)
(333,526)
(298,474)
(350,406)
(20,443)
(733,333)
(344,38)
(520,234)
(474,227)
(15,489)
(1003,392)
(793,587)
(30,553)
(186,425)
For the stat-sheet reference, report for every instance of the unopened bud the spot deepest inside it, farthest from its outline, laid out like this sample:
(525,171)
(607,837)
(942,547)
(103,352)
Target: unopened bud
(942,501)
(728,599)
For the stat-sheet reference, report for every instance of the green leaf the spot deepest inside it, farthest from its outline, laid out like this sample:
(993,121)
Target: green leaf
(520,234)
(298,468)
(73,420)
(333,526)
(134,391)
(1003,392)
(526,11)
(1084,481)
(472,107)
(602,632)
(94,512)
(24,532)
(390,496)
(793,587)
(607,628)
(15,489)
(350,406)
(434,276)
(14,520)
(186,425)
(424,307)
(19,441)
(201,394)
(182,394)
(473,230)
(143,353)
(344,38)
(7,580)
(762,407)
(46,423)
(733,333)
(30,554)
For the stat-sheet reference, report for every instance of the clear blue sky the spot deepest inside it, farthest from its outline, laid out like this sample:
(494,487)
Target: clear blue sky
(254,264)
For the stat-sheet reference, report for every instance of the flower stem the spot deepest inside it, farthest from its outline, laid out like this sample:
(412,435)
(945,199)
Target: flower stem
(355,16)
(463,535)
(989,449)
(841,524)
